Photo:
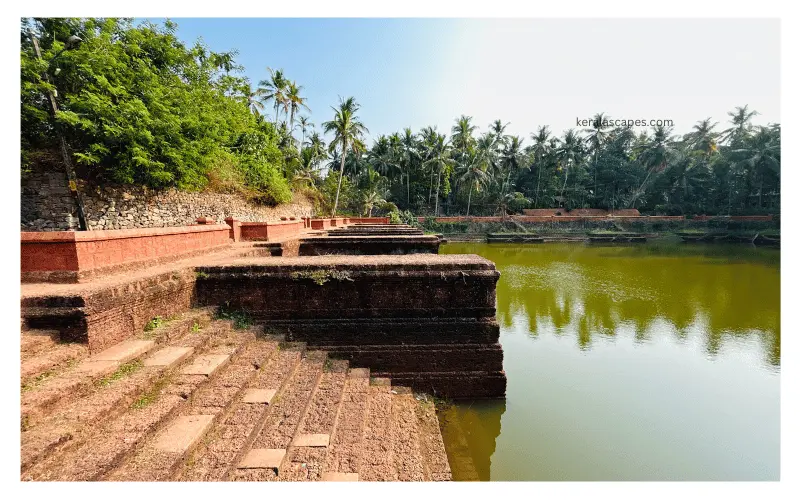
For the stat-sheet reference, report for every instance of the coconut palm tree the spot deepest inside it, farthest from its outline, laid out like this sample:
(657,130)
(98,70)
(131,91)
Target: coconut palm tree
(347,130)
(410,152)
(274,89)
(373,191)
(474,173)
(317,145)
(294,102)
(539,150)
(762,155)
(461,135)
(654,153)
(740,119)
(596,138)
(305,125)
(498,128)
(381,156)
(439,161)
(511,160)
(702,137)
(252,97)
(306,173)
(570,155)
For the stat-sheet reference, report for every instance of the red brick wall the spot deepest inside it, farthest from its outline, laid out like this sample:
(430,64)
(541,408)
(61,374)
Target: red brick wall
(270,231)
(543,212)
(236,228)
(586,212)
(626,212)
(82,251)
(320,223)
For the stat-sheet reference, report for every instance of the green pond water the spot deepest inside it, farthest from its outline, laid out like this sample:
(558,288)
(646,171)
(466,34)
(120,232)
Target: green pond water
(657,361)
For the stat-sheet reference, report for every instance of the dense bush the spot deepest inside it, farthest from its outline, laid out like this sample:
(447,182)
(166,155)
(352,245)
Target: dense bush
(406,217)
(137,106)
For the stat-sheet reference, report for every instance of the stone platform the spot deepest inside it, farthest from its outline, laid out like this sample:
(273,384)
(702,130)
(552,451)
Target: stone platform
(428,319)
(370,239)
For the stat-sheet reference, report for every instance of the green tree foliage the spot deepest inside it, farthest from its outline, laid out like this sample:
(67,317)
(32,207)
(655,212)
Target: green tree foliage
(137,106)
(736,171)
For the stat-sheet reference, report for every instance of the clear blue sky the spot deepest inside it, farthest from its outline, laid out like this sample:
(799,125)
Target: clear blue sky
(383,63)
(529,72)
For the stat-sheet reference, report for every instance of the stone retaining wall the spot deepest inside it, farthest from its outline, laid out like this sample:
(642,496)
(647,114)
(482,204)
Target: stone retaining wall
(48,206)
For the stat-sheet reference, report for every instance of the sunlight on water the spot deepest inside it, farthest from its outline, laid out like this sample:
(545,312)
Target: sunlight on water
(643,362)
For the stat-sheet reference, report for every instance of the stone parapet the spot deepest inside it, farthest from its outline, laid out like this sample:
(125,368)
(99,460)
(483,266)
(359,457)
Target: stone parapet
(75,256)
(270,231)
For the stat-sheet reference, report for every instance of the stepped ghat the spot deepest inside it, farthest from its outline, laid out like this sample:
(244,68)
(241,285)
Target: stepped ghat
(427,321)
(131,372)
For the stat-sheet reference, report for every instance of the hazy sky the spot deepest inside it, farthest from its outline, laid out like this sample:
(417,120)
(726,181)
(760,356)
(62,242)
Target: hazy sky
(529,72)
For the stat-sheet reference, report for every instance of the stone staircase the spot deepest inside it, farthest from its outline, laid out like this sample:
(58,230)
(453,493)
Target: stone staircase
(196,399)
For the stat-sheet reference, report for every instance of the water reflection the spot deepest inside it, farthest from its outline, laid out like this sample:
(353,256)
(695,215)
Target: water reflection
(642,362)
(471,429)
(727,292)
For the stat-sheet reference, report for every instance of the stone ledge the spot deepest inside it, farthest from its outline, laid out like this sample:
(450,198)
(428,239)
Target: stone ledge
(101,235)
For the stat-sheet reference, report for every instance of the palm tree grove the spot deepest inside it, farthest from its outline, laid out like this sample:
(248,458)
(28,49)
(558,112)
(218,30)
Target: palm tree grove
(139,107)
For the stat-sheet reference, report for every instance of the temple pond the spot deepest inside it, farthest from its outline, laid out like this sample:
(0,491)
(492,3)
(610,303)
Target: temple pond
(658,361)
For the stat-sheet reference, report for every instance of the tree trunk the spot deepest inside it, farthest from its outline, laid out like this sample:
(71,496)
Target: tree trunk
(639,191)
(469,198)
(72,178)
(408,190)
(341,174)
(438,184)
(566,176)
(507,183)
(538,183)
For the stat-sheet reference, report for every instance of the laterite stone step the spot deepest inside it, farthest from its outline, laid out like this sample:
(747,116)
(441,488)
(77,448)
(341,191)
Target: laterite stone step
(40,399)
(113,442)
(214,459)
(76,419)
